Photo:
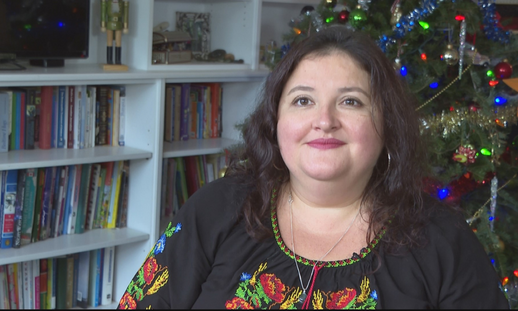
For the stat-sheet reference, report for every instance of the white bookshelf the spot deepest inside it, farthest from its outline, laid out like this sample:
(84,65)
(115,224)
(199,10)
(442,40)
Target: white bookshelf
(238,26)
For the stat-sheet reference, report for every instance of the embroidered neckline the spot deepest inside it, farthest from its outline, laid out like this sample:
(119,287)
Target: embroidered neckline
(308,262)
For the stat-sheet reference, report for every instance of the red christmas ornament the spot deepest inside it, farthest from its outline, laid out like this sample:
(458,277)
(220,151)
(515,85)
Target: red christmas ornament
(465,154)
(343,16)
(503,70)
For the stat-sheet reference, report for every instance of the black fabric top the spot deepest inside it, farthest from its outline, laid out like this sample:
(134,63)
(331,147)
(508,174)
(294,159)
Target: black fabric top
(205,260)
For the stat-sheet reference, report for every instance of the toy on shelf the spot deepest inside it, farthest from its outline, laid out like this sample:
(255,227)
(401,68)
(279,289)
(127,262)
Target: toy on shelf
(114,21)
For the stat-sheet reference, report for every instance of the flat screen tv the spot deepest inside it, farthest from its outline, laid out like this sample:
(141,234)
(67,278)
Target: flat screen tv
(46,32)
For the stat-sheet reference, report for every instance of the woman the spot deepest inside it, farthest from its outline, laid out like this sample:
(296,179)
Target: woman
(322,208)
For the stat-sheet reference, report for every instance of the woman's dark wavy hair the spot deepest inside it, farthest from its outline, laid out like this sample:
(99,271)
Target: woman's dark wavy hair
(393,192)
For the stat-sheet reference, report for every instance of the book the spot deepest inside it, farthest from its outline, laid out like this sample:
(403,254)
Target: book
(108,180)
(214,109)
(18,209)
(54,200)
(115,192)
(37,104)
(75,279)
(185,111)
(84,189)
(36,283)
(28,285)
(45,117)
(30,115)
(122,215)
(12,284)
(61,117)
(61,201)
(4,122)
(191,175)
(70,282)
(29,201)
(194,99)
(181,181)
(19,283)
(122,115)
(98,215)
(55,113)
(102,111)
(36,228)
(83,279)
(94,283)
(46,203)
(92,95)
(109,115)
(71,229)
(43,282)
(16,104)
(70,116)
(82,116)
(61,282)
(107,276)
(177,113)
(78,116)
(53,275)
(8,196)
(21,103)
(115,116)
(92,196)
(4,289)
(69,199)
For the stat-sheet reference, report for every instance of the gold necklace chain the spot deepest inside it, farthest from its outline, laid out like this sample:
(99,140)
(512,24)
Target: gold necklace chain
(304,288)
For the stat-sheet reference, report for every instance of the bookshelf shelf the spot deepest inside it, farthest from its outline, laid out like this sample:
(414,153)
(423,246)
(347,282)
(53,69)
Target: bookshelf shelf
(19,159)
(196,147)
(72,243)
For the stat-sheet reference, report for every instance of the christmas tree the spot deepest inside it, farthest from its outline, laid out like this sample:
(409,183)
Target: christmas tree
(457,58)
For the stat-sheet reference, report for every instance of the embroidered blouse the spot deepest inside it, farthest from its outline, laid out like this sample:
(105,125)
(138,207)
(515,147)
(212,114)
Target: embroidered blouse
(205,260)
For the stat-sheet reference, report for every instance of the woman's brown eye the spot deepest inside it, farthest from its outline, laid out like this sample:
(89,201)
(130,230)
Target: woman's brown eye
(302,101)
(352,102)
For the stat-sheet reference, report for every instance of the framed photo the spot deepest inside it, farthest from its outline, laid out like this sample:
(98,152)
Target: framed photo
(198,26)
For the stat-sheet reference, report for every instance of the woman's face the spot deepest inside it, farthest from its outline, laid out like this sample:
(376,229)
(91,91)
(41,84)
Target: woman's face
(325,128)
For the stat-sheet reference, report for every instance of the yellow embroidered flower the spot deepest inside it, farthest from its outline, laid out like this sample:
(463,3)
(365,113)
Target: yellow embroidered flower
(365,290)
(262,267)
(318,300)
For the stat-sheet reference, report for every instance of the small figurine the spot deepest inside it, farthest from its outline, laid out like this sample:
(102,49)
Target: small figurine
(114,19)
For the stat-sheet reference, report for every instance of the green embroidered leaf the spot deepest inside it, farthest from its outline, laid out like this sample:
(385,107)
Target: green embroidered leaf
(240,292)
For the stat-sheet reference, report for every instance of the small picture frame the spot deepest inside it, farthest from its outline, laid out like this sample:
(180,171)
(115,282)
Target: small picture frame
(198,26)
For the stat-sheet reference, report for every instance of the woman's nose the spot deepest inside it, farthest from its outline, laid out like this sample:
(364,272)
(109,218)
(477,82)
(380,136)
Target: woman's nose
(325,118)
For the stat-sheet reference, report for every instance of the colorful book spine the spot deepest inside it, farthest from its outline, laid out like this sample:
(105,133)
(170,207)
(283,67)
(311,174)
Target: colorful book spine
(43,282)
(9,189)
(28,285)
(98,213)
(61,117)
(94,285)
(108,181)
(12,280)
(45,119)
(36,283)
(82,119)
(69,199)
(61,202)
(115,116)
(185,108)
(4,122)
(45,203)
(75,200)
(122,214)
(103,115)
(109,116)
(40,188)
(84,188)
(55,113)
(54,200)
(4,288)
(71,117)
(18,209)
(30,115)
(122,115)
(107,285)
(114,200)
(29,200)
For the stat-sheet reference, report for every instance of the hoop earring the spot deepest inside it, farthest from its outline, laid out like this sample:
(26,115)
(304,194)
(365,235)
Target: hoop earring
(388,165)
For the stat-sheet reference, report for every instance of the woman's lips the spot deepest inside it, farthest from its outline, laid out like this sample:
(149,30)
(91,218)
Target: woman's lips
(326,143)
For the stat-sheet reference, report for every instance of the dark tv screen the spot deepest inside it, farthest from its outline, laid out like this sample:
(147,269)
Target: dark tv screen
(45,29)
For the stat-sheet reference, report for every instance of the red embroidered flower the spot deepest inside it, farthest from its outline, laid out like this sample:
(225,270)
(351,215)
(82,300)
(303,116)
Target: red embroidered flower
(127,302)
(238,303)
(273,287)
(341,299)
(150,268)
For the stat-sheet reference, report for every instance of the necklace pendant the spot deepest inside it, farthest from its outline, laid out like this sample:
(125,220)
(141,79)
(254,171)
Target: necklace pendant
(302,297)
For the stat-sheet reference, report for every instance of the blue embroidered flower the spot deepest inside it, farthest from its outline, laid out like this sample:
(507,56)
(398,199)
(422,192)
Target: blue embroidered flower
(160,244)
(374,295)
(245,276)
(178,227)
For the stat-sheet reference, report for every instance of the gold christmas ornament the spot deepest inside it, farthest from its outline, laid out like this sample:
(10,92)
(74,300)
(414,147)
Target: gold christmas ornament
(450,55)
(396,16)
